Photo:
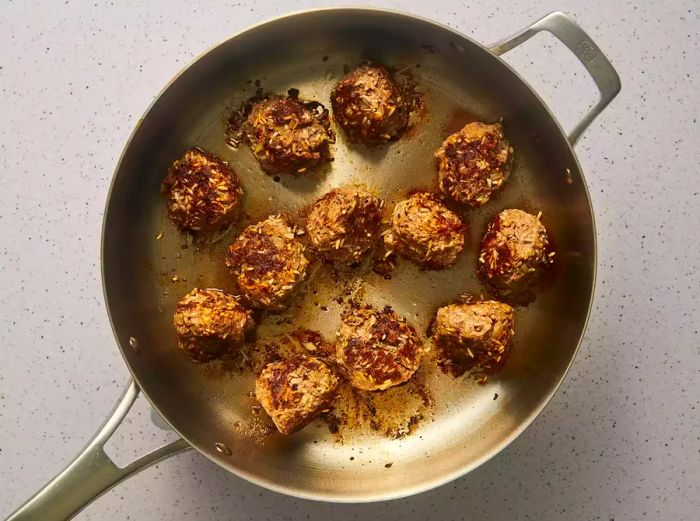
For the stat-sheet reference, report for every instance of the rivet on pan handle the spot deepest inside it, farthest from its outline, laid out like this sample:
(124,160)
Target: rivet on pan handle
(91,473)
(588,53)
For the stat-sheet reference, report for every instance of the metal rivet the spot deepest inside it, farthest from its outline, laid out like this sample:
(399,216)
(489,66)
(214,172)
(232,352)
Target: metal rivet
(134,344)
(587,51)
(223,449)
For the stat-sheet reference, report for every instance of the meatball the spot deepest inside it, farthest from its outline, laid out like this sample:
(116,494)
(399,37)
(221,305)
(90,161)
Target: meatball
(287,135)
(268,263)
(209,323)
(377,349)
(202,192)
(343,224)
(369,106)
(474,163)
(425,231)
(294,391)
(514,252)
(474,335)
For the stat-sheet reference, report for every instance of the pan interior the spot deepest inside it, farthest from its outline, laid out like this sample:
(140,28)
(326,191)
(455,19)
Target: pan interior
(460,82)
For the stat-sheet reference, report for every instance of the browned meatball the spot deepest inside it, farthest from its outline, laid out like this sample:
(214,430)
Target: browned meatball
(209,323)
(377,349)
(426,231)
(294,391)
(369,106)
(342,226)
(514,252)
(202,192)
(474,335)
(474,163)
(287,135)
(268,263)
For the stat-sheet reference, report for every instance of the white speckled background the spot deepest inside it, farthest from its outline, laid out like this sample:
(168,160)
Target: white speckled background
(621,438)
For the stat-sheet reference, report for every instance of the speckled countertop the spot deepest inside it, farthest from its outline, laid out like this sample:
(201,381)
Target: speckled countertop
(620,440)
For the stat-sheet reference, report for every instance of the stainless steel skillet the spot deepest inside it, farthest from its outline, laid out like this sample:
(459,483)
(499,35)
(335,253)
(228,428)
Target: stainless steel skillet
(461,79)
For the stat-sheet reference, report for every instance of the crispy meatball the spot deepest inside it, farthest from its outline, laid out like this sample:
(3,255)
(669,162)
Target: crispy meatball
(202,192)
(474,163)
(377,349)
(294,391)
(343,224)
(425,231)
(514,252)
(287,135)
(209,323)
(369,106)
(474,335)
(268,262)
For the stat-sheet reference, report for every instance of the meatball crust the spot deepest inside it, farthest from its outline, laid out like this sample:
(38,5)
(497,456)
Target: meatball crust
(425,231)
(294,391)
(474,335)
(377,349)
(343,224)
(514,252)
(369,106)
(288,135)
(474,163)
(209,323)
(202,192)
(267,262)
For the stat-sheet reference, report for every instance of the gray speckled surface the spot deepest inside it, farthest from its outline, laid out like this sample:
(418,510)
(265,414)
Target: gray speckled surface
(621,438)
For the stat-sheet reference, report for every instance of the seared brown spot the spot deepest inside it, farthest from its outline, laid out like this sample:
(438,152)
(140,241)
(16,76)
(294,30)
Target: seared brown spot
(473,336)
(474,163)
(377,349)
(369,106)
(202,192)
(343,224)
(295,390)
(268,262)
(209,323)
(425,231)
(288,135)
(514,253)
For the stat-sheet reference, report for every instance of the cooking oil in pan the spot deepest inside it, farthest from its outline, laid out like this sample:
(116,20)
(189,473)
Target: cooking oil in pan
(392,171)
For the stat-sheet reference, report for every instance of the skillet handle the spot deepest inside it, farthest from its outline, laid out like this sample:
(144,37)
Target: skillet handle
(91,473)
(583,47)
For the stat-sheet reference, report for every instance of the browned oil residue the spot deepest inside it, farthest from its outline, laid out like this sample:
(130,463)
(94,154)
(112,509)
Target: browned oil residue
(384,266)
(414,98)
(260,425)
(395,412)
(235,121)
(553,271)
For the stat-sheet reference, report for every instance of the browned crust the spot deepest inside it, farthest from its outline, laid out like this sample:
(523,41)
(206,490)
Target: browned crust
(288,135)
(202,192)
(425,231)
(514,252)
(342,225)
(268,262)
(473,336)
(474,163)
(369,106)
(377,349)
(294,391)
(209,323)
